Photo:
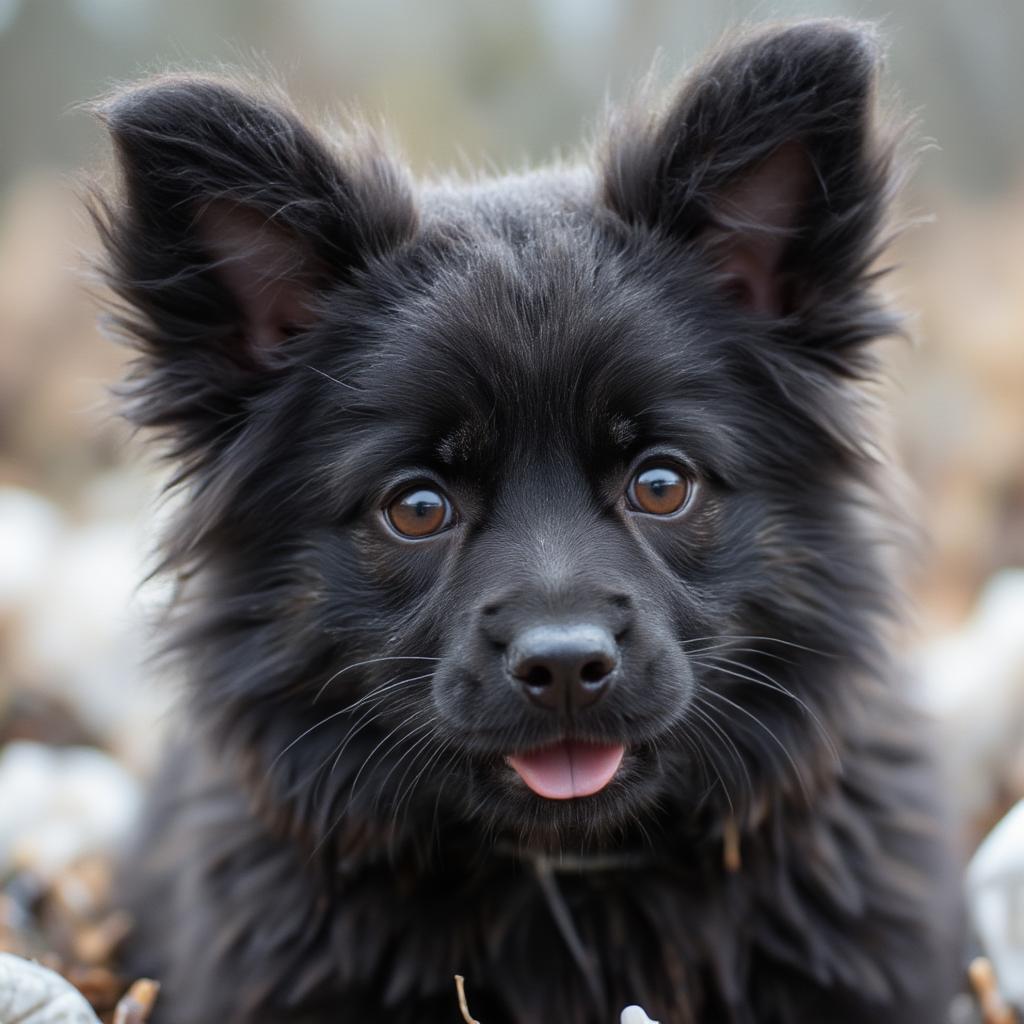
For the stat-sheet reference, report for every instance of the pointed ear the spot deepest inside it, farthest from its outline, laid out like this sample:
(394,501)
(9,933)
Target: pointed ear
(230,219)
(768,160)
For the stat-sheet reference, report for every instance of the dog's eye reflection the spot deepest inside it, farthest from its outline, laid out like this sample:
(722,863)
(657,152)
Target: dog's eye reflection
(419,512)
(659,491)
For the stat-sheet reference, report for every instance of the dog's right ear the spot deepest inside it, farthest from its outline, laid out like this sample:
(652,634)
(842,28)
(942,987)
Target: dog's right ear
(771,160)
(230,219)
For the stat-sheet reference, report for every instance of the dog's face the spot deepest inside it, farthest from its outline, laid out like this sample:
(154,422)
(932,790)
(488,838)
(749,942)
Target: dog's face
(539,501)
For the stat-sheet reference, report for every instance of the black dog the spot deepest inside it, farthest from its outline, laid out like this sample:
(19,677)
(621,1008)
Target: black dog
(535,568)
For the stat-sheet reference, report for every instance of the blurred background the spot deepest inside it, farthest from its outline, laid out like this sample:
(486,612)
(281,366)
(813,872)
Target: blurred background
(466,81)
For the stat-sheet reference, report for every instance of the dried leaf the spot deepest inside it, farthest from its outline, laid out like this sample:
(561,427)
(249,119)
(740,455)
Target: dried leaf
(636,1015)
(31,994)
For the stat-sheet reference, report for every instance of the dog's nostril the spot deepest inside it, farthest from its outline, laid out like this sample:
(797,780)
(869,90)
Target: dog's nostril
(538,675)
(595,671)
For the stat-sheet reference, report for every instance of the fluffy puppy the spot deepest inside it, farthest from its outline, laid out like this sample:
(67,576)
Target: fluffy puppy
(534,565)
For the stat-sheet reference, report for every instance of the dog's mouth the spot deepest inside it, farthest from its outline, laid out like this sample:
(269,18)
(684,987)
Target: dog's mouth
(568,769)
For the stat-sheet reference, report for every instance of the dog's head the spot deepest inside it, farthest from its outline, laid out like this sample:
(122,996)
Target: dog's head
(543,500)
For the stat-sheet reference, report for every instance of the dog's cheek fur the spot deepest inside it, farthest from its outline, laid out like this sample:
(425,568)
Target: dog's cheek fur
(723,307)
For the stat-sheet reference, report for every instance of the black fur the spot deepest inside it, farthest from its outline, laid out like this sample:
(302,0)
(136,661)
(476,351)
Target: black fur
(337,833)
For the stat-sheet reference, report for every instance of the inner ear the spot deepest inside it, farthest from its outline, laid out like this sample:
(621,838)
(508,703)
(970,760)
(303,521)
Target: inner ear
(755,219)
(266,269)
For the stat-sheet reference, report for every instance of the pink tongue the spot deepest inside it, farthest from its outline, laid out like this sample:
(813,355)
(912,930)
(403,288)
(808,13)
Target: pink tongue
(568,769)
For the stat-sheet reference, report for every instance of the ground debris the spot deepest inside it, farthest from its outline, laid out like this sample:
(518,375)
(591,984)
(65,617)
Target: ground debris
(983,981)
(630,1015)
(460,988)
(34,993)
(136,1004)
(70,924)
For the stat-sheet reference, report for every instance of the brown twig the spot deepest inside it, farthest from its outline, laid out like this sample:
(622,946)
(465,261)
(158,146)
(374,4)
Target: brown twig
(136,1004)
(983,980)
(460,987)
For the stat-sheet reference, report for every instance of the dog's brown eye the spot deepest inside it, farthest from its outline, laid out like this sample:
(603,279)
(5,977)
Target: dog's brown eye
(659,491)
(419,512)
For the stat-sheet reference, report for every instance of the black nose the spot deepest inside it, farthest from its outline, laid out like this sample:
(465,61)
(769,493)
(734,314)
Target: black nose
(563,667)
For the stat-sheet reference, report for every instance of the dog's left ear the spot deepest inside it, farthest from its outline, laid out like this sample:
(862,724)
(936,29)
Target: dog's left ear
(768,159)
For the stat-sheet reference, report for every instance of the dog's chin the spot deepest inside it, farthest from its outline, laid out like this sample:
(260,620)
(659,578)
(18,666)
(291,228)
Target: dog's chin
(526,822)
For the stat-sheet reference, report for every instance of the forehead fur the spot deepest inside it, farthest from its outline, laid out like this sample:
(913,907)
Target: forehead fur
(531,328)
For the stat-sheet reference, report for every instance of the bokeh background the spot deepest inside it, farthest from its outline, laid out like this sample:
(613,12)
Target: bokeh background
(464,82)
